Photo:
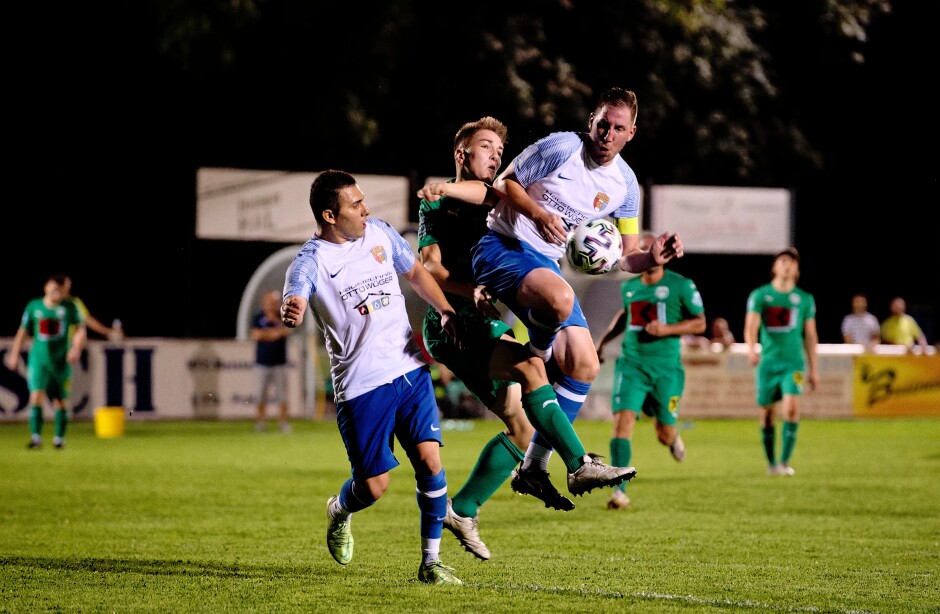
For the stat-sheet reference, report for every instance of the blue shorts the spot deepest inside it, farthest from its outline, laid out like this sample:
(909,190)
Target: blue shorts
(404,409)
(501,263)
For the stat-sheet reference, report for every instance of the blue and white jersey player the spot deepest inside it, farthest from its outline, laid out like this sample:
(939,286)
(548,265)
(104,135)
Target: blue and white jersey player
(554,184)
(348,275)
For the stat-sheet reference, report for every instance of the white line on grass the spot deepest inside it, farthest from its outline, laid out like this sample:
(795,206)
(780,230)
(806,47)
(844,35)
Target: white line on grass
(664,596)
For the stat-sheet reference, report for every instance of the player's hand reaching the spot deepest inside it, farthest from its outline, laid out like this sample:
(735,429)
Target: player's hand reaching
(292,311)
(484,302)
(455,327)
(666,247)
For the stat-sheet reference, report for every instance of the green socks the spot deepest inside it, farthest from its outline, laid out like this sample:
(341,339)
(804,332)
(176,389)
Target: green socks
(769,444)
(35,420)
(541,407)
(789,441)
(621,451)
(61,421)
(495,463)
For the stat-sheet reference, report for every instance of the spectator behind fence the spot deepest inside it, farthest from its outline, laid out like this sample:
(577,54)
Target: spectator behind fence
(860,326)
(900,328)
(270,336)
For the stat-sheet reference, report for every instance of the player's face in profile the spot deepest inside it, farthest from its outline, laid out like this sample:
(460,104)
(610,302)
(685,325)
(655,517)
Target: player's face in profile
(352,214)
(611,129)
(483,156)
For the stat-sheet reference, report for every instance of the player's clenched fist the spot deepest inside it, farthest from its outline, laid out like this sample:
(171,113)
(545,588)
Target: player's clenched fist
(292,311)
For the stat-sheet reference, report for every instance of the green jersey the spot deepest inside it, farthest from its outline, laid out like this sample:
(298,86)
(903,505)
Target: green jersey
(783,316)
(457,226)
(49,328)
(672,299)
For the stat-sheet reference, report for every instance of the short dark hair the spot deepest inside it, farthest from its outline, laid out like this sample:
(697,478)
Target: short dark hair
(324,191)
(791,252)
(617,97)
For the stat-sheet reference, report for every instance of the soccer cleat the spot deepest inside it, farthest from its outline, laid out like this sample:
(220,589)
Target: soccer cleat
(34,444)
(618,500)
(436,572)
(339,539)
(678,449)
(58,444)
(467,532)
(595,474)
(535,482)
(285,428)
(780,469)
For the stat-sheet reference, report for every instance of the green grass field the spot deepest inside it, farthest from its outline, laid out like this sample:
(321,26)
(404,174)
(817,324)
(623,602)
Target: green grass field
(213,517)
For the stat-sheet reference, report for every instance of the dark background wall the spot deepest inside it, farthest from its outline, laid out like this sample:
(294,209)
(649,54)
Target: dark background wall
(113,108)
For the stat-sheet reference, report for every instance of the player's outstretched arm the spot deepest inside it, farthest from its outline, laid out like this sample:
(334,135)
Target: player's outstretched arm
(472,191)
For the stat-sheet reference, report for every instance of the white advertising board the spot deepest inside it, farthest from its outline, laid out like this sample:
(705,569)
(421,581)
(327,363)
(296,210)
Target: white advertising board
(252,205)
(723,220)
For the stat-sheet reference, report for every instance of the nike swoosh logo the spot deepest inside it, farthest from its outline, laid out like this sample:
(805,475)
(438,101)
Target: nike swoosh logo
(435,428)
(441,518)
(332,275)
(560,176)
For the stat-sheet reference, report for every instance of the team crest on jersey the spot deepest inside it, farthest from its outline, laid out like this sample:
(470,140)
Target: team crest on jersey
(794,298)
(601,201)
(378,252)
(661,292)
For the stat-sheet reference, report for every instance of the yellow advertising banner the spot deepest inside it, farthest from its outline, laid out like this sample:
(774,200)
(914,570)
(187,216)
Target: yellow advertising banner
(896,385)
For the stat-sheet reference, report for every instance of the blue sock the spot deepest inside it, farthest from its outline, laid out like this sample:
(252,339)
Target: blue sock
(432,501)
(352,500)
(571,396)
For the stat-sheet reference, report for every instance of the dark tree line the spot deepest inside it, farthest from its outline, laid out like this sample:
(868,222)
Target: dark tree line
(121,101)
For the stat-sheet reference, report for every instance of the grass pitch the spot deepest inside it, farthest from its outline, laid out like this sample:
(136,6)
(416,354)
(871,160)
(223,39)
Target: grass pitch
(213,517)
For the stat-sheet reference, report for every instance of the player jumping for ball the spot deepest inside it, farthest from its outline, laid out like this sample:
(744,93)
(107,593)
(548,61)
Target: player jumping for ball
(555,183)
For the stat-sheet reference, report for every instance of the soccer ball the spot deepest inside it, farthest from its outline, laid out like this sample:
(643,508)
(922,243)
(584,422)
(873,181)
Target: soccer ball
(594,246)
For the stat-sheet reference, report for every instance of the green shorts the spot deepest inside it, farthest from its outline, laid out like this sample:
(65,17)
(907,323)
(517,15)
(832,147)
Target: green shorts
(652,389)
(773,381)
(470,364)
(54,380)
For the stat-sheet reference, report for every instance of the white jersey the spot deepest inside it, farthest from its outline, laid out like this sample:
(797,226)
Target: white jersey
(355,297)
(558,173)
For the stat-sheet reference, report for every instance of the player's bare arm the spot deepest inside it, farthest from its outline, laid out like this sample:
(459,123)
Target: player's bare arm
(428,289)
(550,226)
(431,259)
(473,192)
(690,326)
(292,311)
(751,330)
(666,247)
(617,325)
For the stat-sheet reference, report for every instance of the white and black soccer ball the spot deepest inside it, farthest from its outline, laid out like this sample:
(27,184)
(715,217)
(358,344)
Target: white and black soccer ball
(594,246)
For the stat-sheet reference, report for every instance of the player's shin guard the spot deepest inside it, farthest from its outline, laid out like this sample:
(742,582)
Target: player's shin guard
(789,441)
(432,501)
(770,444)
(494,465)
(553,426)
(61,421)
(35,420)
